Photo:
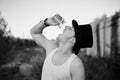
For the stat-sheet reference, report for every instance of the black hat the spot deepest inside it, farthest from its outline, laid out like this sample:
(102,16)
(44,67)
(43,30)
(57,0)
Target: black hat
(83,35)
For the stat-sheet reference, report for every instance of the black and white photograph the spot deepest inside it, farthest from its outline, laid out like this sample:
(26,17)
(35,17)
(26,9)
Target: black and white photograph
(59,40)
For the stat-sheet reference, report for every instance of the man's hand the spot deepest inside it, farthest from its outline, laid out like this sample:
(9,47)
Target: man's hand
(55,20)
(51,22)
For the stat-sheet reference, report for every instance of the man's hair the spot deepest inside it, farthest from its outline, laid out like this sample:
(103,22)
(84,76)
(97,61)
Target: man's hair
(75,50)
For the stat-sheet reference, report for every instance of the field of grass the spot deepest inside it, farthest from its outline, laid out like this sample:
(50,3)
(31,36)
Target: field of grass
(23,60)
(26,64)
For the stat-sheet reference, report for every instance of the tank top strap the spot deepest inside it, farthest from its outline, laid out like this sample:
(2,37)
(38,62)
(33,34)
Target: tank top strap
(72,57)
(52,52)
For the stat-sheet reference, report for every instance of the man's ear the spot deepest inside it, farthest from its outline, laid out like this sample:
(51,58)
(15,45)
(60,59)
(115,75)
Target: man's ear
(72,40)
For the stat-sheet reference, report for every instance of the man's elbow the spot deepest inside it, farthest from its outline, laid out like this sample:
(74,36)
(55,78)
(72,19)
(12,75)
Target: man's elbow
(32,32)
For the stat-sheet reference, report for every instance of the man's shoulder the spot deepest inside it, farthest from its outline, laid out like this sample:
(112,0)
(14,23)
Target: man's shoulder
(77,64)
(77,68)
(51,46)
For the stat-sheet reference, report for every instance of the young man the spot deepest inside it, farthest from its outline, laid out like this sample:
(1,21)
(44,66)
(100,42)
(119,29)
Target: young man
(61,63)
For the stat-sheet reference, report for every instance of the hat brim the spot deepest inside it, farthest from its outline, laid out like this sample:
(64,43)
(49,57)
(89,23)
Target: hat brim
(83,35)
(74,24)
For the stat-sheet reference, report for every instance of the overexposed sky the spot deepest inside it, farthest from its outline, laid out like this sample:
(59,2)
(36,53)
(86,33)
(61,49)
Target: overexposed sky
(22,15)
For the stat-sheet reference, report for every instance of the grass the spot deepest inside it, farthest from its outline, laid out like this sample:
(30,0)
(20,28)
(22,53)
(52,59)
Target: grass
(95,69)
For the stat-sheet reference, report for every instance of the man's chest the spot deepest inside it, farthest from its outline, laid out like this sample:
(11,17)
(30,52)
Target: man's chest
(59,60)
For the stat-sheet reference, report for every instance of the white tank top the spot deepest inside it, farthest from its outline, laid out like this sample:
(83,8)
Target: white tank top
(54,72)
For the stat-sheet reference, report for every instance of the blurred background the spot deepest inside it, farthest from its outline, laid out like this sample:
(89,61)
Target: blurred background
(22,59)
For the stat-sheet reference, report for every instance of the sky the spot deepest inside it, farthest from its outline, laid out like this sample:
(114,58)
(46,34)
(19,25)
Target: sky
(22,15)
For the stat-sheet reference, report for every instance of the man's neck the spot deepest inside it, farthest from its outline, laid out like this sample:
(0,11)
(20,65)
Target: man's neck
(64,50)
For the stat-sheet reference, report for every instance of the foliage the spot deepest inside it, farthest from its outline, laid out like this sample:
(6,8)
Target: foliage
(98,69)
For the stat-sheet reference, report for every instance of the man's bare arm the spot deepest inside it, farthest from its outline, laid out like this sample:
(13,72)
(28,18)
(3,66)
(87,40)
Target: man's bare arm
(36,33)
(40,39)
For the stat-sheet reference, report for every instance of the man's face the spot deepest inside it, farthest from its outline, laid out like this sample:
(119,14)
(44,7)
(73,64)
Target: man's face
(67,34)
